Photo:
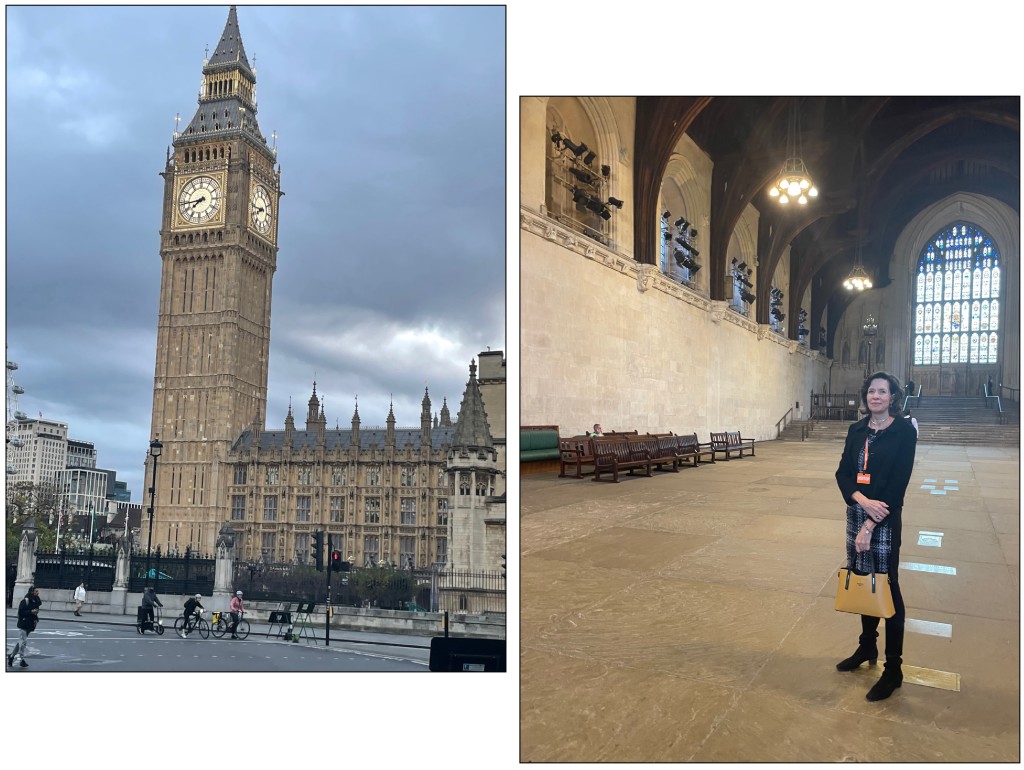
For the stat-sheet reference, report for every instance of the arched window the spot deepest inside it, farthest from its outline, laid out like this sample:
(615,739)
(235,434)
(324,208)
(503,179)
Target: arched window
(956,298)
(846,353)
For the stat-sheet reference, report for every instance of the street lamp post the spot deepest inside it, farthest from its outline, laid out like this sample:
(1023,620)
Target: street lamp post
(155,448)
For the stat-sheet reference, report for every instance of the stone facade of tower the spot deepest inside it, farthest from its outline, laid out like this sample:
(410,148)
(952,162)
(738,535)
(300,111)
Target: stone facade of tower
(476,506)
(218,248)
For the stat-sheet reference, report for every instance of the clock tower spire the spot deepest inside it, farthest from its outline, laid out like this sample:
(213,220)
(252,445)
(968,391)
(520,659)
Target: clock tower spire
(218,251)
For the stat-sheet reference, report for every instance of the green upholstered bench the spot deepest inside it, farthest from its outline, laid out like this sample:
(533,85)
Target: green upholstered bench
(538,447)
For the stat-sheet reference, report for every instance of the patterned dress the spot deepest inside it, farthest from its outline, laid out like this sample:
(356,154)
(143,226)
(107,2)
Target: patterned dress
(881,538)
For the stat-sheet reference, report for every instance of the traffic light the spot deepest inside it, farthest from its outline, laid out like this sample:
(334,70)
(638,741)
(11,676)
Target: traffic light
(336,561)
(318,550)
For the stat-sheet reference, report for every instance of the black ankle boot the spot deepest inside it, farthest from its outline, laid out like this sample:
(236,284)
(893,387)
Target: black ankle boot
(892,678)
(869,654)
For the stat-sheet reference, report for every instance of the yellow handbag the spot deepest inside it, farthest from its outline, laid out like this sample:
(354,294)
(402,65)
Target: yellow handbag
(864,594)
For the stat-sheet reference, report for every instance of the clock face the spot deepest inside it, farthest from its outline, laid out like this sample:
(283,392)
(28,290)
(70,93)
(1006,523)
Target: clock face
(259,209)
(199,199)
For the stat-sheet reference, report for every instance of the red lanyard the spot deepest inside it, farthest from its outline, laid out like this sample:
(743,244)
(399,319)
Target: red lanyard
(862,470)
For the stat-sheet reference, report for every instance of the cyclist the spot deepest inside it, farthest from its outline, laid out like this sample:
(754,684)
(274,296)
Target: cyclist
(192,611)
(237,608)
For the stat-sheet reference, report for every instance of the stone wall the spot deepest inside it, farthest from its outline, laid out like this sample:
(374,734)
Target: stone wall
(607,340)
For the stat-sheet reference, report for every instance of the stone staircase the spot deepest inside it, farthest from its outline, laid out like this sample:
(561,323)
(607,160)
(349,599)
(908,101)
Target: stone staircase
(942,420)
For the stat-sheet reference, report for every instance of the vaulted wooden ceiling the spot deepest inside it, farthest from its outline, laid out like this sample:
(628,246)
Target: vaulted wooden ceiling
(877,161)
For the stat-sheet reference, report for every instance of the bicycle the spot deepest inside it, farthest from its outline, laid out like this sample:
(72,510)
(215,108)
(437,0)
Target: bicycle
(221,624)
(195,623)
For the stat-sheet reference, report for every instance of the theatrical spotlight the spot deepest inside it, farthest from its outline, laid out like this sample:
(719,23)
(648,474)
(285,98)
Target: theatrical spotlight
(580,198)
(693,233)
(583,176)
(747,296)
(680,223)
(589,157)
(615,202)
(742,265)
(606,170)
(577,149)
(556,138)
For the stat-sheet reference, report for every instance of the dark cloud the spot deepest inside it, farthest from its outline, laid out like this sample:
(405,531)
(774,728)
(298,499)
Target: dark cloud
(391,139)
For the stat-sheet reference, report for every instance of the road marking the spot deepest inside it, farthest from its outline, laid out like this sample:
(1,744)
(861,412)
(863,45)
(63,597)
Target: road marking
(929,628)
(929,568)
(929,677)
(938,491)
(930,538)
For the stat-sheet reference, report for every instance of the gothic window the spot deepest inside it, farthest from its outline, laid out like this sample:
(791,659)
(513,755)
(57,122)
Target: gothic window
(338,476)
(238,507)
(442,512)
(304,475)
(303,504)
(442,550)
(268,544)
(371,550)
(373,476)
(406,552)
(956,305)
(302,548)
(862,353)
(240,474)
(272,474)
(270,507)
(846,353)
(337,509)
(464,484)
(481,487)
(372,513)
(408,510)
(408,476)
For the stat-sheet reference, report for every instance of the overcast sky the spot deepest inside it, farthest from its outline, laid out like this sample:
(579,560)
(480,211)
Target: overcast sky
(391,141)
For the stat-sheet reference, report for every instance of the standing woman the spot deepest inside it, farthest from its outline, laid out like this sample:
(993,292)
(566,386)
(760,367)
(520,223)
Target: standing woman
(873,475)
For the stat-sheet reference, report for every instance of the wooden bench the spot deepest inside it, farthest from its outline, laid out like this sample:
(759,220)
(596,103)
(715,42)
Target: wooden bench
(615,454)
(690,449)
(731,442)
(578,451)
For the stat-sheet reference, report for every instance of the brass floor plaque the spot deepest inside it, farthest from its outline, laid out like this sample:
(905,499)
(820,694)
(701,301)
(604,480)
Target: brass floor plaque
(929,677)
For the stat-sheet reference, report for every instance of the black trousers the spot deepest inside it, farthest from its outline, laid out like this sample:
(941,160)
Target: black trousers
(894,625)
(234,622)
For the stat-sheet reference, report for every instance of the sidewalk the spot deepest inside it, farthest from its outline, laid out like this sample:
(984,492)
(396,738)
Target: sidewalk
(259,629)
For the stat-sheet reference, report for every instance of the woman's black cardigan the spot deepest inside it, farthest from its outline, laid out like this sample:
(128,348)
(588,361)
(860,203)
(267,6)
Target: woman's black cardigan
(890,462)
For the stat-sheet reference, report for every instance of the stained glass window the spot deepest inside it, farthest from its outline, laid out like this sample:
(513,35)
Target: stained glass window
(955,291)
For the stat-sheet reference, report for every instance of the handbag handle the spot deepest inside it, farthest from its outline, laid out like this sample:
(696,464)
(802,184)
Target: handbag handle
(849,571)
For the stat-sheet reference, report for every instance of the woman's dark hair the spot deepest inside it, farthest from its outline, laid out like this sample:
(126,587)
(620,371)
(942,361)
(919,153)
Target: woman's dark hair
(895,390)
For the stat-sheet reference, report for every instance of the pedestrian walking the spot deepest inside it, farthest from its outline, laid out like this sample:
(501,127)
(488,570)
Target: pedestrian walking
(28,618)
(79,598)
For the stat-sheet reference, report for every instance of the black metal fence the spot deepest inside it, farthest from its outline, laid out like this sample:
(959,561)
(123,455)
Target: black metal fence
(380,587)
(69,567)
(171,574)
(471,592)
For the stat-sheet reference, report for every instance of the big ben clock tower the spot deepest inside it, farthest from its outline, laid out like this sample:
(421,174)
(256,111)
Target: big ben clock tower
(218,247)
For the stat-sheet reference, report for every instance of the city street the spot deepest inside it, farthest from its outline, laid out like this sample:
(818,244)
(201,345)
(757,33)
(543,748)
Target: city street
(73,644)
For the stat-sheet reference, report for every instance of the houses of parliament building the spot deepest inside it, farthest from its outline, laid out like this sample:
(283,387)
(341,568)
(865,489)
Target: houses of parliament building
(416,496)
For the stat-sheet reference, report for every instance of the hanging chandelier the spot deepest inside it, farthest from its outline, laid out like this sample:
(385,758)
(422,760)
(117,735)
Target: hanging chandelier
(794,181)
(857,280)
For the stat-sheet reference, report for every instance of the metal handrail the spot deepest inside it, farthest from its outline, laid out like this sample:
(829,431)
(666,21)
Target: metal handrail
(785,417)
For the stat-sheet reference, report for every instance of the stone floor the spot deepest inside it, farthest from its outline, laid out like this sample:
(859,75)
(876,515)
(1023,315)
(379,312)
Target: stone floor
(689,616)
